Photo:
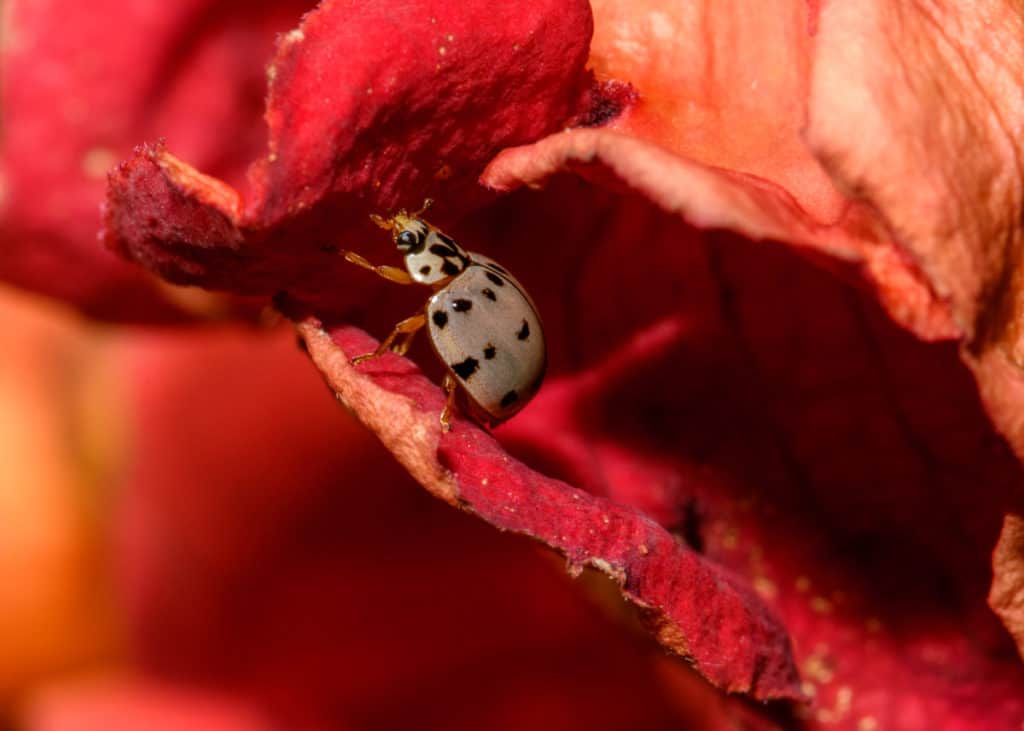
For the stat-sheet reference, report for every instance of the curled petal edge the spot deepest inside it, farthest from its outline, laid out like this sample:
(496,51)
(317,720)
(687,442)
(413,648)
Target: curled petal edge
(695,608)
(715,198)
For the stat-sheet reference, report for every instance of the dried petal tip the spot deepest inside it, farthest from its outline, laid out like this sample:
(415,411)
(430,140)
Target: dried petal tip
(1007,595)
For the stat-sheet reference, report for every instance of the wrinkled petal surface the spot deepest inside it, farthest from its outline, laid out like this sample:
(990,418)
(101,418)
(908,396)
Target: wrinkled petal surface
(438,88)
(1007,595)
(697,609)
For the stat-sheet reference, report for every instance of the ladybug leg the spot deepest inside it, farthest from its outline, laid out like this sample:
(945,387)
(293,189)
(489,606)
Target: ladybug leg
(403,347)
(393,274)
(406,327)
(449,405)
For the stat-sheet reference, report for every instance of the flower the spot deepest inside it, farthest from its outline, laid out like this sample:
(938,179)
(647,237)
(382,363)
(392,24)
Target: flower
(753,441)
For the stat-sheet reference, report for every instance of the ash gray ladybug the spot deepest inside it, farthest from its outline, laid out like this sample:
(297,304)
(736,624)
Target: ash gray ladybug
(481,322)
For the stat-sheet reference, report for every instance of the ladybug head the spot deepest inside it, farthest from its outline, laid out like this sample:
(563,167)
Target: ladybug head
(407,229)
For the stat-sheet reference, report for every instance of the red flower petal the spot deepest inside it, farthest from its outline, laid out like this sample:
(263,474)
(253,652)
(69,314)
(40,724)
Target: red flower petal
(711,198)
(426,95)
(847,658)
(779,421)
(81,84)
(696,609)
(933,150)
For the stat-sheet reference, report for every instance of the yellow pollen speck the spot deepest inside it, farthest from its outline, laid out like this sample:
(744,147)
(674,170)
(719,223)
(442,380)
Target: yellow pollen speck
(449,38)
(642,549)
(809,689)
(867,723)
(803,583)
(821,605)
(484,481)
(765,587)
(97,161)
(818,668)
(272,157)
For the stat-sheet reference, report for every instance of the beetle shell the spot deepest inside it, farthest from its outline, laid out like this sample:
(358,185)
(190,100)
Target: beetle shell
(486,330)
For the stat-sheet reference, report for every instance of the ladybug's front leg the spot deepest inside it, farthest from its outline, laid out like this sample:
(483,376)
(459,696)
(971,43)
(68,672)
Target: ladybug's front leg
(407,327)
(392,274)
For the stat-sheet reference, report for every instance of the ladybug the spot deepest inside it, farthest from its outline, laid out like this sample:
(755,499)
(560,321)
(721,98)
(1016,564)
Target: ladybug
(482,324)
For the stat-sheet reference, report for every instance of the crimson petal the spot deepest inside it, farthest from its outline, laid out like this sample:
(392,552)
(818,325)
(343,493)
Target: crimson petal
(371,106)
(697,608)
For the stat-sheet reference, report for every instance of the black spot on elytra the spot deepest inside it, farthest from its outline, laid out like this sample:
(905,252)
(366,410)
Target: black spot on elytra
(524,331)
(440,318)
(450,269)
(489,294)
(489,351)
(496,279)
(425,270)
(466,368)
(461,305)
(508,399)
(442,250)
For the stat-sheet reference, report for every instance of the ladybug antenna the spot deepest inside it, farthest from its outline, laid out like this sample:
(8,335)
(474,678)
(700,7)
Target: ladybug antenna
(427,203)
